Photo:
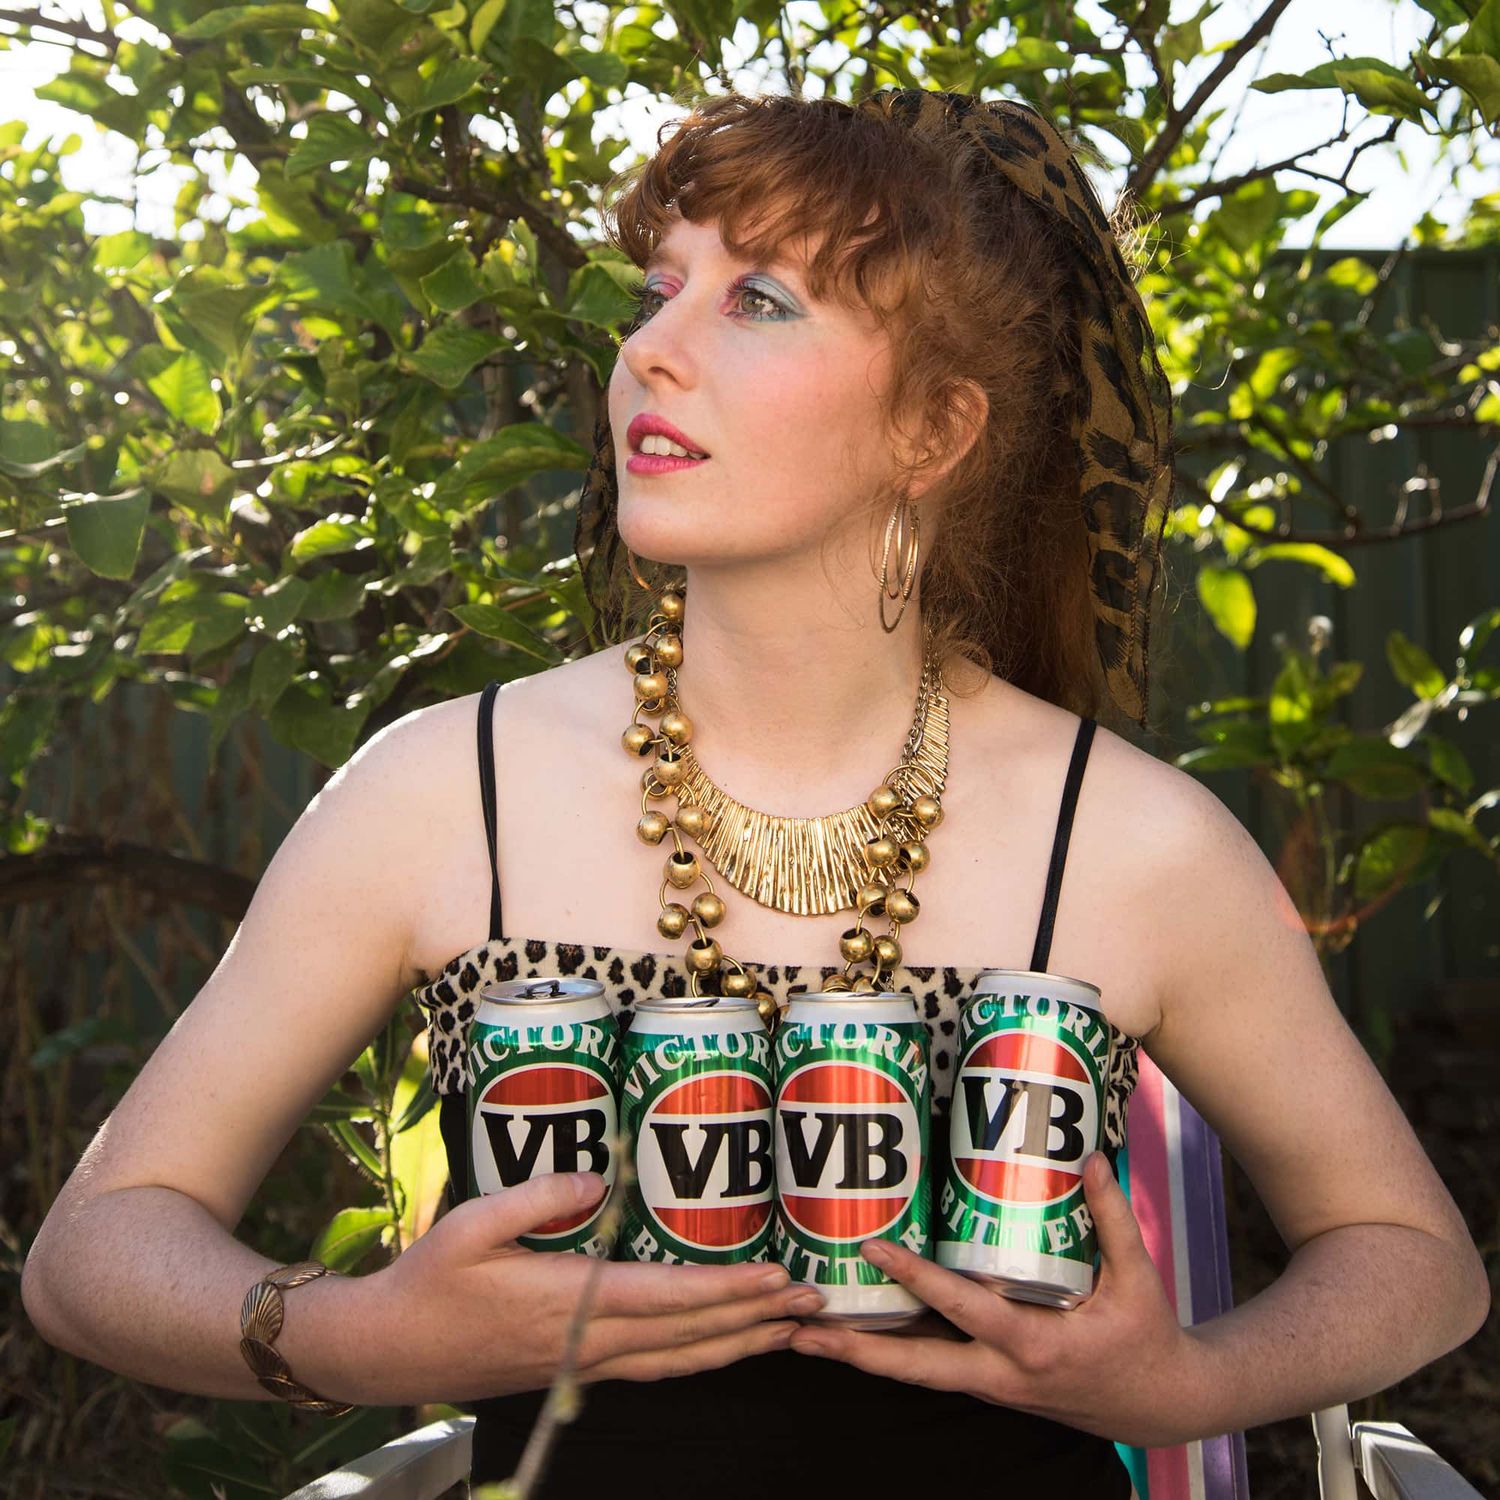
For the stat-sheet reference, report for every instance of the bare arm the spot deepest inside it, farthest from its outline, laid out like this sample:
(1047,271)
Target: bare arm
(1384,1276)
(135,1266)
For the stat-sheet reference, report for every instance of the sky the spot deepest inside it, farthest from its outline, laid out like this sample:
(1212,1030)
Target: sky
(1407,177)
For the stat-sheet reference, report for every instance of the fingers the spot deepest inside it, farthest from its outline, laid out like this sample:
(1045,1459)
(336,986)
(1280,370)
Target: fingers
(966,1303)
(631,1290)
(689,1359)
(1121,1243)
(489,1223)
(939,1364)
(613,1336)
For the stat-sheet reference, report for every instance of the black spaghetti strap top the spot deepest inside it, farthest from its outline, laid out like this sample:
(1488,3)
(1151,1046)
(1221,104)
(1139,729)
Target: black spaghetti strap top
(784,1423)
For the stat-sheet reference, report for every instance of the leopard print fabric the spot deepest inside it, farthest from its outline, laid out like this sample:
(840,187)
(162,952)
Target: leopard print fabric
(451,1000)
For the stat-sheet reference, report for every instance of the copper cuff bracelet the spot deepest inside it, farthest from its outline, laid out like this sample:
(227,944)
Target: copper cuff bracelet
(260,1321)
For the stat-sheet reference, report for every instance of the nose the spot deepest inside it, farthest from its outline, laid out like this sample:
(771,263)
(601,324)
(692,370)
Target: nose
(659,347)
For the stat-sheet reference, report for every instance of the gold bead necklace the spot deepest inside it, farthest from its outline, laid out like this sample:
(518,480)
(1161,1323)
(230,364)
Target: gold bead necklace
(855,858)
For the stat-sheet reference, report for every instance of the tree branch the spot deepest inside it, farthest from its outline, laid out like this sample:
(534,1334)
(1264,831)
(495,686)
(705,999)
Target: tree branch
(79,30)
(1160,149)
(70,861)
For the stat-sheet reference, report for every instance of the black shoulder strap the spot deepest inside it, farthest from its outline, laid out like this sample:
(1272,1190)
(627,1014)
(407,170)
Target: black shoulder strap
(1071,784)
(487,797)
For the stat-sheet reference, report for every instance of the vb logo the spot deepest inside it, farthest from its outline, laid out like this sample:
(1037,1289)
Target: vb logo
(848,1150)
(1025,1118)
(703,1160)
(550,1117)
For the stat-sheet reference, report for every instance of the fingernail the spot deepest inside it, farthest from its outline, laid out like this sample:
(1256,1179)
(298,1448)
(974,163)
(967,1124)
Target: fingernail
(876,1251)
(806,1302)
(773,1279)
(808,1343)
(587,1185)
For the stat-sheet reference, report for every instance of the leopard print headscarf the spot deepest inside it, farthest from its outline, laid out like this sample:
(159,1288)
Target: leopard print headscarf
(1123,413)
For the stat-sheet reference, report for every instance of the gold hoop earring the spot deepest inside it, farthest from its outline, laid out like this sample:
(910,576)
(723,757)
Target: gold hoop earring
(635,572)
(907,571)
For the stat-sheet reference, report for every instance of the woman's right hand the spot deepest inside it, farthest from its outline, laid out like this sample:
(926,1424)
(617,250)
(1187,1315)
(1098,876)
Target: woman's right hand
(473,1314)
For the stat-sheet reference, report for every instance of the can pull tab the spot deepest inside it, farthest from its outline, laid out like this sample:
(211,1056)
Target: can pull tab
(542,987)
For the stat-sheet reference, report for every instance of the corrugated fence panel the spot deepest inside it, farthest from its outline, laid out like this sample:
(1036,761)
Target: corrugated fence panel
(1427,586)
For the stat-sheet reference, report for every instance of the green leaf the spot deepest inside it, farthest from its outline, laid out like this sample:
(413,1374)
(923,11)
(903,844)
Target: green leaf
(203,622)
(35,469)
(1477,76)
(1379,86)
(184,388)
(274,667)
(216,314)
(1334,568)
(455,284)
(275,607)
(1448,762)
(331,137)
(326,731)
(1230,601)
(1388,857)
(598,293)
(197,479)
(115,254)
(105,530)
(1472,638)
(329,277)
(449,353)
(496,464)
(337,1105)
(1291,710)
(225,21)
(1220,758)
(229,705)
(331,534)
(447,85)
(1376,769)
(484,22)
(424,1099)
(605,68)
(26,725)
(1384,93)
(377,27)
(71,1040)
(501,625)
(1413,666)
(348,1236)
(333,596)
(1450,821)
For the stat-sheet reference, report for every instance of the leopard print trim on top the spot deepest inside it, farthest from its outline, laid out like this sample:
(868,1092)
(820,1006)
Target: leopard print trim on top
(451,1000)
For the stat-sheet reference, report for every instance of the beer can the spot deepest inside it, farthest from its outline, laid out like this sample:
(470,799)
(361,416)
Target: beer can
(1028,1109)
(853,1096)
(544,1096)
(695,1109)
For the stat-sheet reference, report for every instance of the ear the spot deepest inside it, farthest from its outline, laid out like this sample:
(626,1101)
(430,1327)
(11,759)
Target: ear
(963,411)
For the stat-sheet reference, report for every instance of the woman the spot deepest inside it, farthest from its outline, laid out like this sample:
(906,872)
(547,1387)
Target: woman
(907,321)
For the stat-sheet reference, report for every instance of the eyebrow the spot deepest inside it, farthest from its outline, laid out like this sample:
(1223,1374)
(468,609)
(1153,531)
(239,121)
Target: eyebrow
(663,257)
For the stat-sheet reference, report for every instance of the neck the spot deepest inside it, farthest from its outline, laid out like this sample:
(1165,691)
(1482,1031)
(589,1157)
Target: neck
(800,700)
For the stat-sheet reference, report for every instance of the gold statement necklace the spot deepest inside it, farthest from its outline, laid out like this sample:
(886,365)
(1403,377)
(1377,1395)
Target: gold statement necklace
(865,857)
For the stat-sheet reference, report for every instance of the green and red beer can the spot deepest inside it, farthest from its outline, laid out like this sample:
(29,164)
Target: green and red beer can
(1028,1109)
(544,1096)
(852,1110)
(696,1114)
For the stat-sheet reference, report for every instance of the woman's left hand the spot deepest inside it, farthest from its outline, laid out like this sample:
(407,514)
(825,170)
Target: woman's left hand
(1118,1365)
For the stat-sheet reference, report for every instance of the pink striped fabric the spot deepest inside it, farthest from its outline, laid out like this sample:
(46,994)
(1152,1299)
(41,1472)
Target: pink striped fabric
(1171,1168)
